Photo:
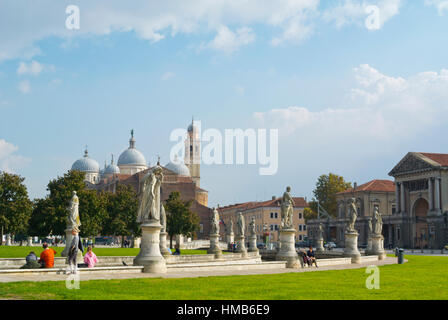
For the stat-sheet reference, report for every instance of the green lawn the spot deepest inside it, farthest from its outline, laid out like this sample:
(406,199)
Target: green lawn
(420,278)
(22,252)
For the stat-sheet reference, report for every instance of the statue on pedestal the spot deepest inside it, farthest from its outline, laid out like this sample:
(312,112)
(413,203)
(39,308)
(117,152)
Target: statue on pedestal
(320,234)
(353,215)
(287,209)
(214,224)
(149,208)
(162,218)
(240,224)
(252,227)
(369,225)
(230,231)
(378,221)
(73,221)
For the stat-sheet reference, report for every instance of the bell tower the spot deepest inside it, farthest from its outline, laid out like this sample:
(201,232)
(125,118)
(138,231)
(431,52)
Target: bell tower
(193,151)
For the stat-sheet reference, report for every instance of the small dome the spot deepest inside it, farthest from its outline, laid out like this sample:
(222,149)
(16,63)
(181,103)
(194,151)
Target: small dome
(86,164)
(131,156)
(112,168)
(178,167)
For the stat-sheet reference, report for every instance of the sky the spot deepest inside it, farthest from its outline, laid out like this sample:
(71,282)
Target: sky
(350,90)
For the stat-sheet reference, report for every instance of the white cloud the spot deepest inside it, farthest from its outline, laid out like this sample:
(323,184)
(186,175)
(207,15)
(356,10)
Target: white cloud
(354,12)
(168,75)
(151,20)
(229,41)
(441,5)
(24,86)
(32,68)
(10,162)
(380,108)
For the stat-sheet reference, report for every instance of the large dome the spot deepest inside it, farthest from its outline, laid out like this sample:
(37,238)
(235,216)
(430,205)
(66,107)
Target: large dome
(86,164)
(131,156)
(178,167)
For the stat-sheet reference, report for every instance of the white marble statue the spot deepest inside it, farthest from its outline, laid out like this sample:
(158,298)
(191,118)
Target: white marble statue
(150,203)
(352,216)
(252,227)
(240,224)
(73,221)
(287,209)
(320,232)
(214,223)
(230,230)
(162,217)
(378,227)
(369,224)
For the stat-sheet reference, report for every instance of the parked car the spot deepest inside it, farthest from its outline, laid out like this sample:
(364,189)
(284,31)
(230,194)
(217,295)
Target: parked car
(331,245)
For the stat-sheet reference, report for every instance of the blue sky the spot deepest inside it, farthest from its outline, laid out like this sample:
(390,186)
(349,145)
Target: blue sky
(345,99)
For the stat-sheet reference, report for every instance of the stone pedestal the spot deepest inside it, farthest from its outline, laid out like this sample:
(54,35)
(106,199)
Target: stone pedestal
(351,247)
(179,241)
(230,238)
(29,241)
(369,246)
(8,240)
(149,256)
(214,246)
(320,245)
(287,251)
(241,245)
(136,243)
(253,243)
(68,242)
(163,246)
(378,246)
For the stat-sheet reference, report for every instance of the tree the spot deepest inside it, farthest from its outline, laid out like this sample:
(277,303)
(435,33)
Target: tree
(180,219)
(15,206)
(92,212)
(122,209)
(325,193)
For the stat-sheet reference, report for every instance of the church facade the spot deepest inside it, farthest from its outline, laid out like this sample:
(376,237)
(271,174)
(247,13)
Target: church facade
(421,189)
(181,176)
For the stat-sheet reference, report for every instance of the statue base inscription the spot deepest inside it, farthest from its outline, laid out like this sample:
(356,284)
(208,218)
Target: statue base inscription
(241,246)
(378,246)
(351,247)
(149,256)
(320,245)
(68,240)
(287,250)
(214,246)
(253,243)
(163,246)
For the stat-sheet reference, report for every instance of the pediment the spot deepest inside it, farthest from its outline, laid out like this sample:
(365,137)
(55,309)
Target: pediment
(411,163)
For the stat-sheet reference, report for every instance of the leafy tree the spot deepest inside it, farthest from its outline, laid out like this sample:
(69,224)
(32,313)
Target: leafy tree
(92,212)
(122,209)
(50,214)
(15,206)
(309,214)
(325,193)
(180,219)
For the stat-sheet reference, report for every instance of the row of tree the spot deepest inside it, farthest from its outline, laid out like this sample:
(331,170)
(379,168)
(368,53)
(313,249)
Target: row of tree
(101,213)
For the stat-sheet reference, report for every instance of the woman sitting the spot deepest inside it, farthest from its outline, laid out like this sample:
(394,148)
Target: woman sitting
(90,258)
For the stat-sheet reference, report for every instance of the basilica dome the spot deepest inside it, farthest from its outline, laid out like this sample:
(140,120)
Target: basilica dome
(112,168)
(131,156)
(178,167)
(86,164)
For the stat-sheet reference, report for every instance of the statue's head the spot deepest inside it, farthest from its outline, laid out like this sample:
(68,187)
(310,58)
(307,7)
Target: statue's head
(73,193)
(288,189)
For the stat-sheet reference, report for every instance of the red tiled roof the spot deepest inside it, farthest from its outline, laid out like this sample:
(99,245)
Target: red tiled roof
(440,158)
(374,185)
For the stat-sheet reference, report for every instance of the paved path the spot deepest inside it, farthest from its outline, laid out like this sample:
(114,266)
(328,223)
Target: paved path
(108,276)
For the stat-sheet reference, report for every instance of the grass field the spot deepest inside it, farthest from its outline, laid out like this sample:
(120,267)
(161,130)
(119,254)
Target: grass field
(420,278)
(22,252)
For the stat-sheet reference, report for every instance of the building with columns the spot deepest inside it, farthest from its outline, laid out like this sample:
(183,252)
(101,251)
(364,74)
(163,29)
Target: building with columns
(375,193)
(421,190)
